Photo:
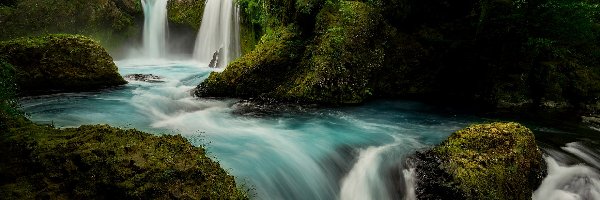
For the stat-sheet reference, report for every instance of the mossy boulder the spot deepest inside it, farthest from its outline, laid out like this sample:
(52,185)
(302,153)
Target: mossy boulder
(102,162)
(60,63)
(259,71)
(484,161)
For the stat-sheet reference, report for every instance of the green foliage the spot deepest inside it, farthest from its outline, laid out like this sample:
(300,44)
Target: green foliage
(8,101)
(101,162)
(109,21)
(493,161)
(60,62)
(346,52)
(188,12)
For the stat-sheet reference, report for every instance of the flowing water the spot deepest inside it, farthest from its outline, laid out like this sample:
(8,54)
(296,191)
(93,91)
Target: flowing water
(155,28)
(303,153)
(219,33)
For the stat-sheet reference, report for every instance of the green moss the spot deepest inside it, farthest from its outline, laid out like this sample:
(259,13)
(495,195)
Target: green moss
(110,22)
(8,101)
(248,76)
(104,162)
(346,52)
(187,12)
(492,161)
(60,62)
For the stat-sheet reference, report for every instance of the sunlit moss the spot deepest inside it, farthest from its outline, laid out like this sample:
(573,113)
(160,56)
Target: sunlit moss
(105,162)
(492,161)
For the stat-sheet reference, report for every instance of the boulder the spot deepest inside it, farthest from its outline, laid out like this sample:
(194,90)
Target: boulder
(102,162)
(484,161)
(60,63)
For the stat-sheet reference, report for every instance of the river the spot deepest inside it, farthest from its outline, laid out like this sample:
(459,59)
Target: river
(304,153)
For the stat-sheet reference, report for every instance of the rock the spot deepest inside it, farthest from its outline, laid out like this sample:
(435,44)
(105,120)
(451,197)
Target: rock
(217,60)
(144,77)
(101,162)
(60,63)
(485,161)
(258,72)
(593,121)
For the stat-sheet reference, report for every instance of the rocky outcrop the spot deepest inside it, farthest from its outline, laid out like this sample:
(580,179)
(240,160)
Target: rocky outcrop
(485,161)
(62,63)
(101,162)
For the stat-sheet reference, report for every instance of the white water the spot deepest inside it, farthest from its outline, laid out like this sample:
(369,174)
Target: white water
(155,28)
(568,181)
(368,179)
(220,31)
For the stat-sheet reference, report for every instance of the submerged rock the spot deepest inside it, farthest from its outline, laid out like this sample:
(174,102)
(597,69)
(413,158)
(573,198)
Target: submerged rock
(60,62)
(485,161)
(144,77)
(101,162)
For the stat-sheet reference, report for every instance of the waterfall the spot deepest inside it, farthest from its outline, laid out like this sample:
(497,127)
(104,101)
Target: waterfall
(155,28)
(218,41)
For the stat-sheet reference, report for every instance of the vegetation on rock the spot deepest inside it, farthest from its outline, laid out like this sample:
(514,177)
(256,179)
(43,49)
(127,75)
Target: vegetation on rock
(111,22)
(250,76)
(102,162)
(498,54)
(52,63)
(485,161)
(187,12)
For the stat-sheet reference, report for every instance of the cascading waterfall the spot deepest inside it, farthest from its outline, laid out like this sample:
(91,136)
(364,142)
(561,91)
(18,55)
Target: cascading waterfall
(155,28)
(218,41)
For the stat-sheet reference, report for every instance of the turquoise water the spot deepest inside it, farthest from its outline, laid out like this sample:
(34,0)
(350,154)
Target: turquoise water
(302,153)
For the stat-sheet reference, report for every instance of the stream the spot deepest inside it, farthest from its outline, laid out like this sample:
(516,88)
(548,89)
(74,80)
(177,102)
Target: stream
(305,153)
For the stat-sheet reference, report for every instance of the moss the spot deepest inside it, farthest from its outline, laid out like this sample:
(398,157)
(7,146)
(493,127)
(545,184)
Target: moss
(187,12)
(8,102)
(340,64)
(110,22)
(60,63)
(490,161)
(277,53)
(102,162)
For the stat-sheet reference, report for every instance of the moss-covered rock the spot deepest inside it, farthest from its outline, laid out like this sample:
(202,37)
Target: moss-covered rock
(60,63)
(485,161)
(252,74)
(101,162)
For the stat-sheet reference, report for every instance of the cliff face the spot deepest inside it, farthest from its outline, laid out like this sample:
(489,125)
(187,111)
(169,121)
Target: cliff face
(53,63)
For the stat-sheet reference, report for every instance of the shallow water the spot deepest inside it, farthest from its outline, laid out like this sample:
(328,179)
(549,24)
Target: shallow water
(313,153)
